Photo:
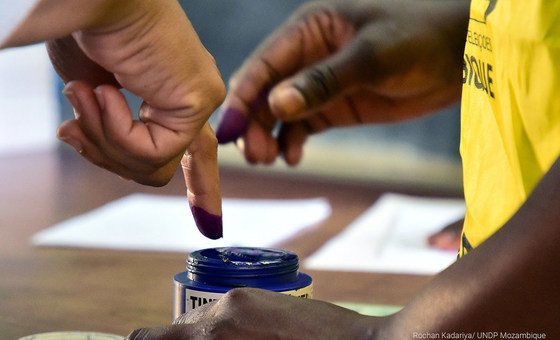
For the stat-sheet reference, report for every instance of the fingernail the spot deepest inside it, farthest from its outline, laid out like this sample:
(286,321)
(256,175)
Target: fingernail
(74,101)
(233,124)
(208,224)
(100,98)
(73,143)
(287,101)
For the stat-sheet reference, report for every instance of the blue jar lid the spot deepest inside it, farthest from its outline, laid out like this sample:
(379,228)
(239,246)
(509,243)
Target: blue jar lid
(242,266)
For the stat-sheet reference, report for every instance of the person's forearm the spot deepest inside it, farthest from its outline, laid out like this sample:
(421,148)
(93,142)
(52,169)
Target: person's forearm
(508,284)
(51,19)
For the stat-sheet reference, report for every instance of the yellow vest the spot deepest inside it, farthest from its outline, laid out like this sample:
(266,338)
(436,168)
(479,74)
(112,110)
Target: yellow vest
(510,123)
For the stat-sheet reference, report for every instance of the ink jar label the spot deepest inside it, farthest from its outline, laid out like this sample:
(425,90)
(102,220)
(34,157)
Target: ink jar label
(213,272)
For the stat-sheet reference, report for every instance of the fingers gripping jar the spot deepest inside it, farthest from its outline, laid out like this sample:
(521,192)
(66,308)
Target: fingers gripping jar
(213,272)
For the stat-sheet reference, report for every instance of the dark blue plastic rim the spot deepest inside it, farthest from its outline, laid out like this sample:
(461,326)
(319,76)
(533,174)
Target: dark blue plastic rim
(242,266)
(182,279)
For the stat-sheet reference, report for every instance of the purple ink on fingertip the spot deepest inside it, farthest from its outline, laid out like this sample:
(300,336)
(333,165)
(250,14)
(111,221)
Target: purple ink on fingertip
(208,224)
(233,124)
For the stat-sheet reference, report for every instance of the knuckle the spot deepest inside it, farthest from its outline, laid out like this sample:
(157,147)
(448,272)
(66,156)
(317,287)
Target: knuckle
(237,293)
(237,298)
(219,89)
(233,297)
(318,84)
(204,97)
(204,147)
(212,94)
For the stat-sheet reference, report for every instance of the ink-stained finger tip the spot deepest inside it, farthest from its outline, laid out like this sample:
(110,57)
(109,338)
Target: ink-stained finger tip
(208,224)
(232,125)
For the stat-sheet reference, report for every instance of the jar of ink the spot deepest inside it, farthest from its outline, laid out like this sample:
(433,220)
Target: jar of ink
(213,272)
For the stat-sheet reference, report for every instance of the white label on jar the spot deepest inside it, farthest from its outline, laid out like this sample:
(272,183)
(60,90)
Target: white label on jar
(197,298)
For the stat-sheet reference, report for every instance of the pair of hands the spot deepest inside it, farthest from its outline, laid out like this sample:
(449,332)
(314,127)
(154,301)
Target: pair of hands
(332,64)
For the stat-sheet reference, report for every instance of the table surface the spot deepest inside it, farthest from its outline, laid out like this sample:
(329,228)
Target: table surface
(57,289)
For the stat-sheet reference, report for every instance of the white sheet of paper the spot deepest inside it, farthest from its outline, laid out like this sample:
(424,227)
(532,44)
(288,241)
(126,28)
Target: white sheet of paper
(165,223)
(29,108)
(391,237)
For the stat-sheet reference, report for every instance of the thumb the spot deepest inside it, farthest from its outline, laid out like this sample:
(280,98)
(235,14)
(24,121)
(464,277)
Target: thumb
(316,85)
(200,168)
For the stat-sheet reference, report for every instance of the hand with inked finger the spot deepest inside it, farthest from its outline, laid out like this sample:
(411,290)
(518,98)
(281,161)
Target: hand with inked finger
(103,120)
(154,52)
(343,63)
